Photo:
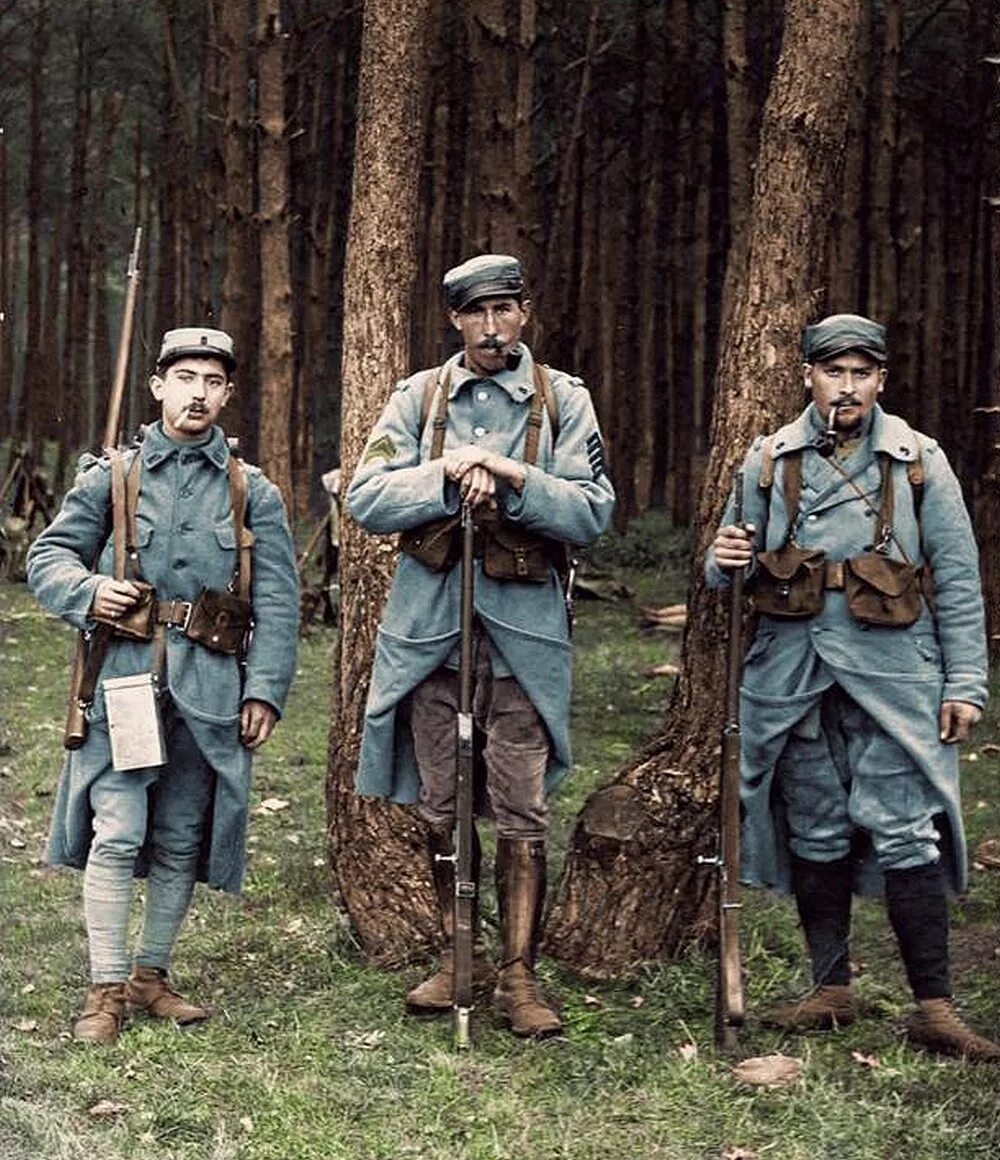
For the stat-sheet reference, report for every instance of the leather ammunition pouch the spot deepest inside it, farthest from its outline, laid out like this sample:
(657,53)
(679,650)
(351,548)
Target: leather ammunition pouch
(220,621)
(789,582)
(510,553)
(138,622)
(437,544)
(882,591)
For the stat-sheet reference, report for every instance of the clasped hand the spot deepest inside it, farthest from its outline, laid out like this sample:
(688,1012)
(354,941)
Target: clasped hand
(477,471)
(733,546)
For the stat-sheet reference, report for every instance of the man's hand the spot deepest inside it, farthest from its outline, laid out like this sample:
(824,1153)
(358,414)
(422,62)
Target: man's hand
(733,546)
(957,718)
(257,722)
(113,597)
(461,462)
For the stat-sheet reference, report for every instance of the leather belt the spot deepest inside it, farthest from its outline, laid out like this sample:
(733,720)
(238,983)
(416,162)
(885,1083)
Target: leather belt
(176,613)
(834,574)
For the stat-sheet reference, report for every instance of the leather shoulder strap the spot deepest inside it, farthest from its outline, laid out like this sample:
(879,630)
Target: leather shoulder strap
(238,490)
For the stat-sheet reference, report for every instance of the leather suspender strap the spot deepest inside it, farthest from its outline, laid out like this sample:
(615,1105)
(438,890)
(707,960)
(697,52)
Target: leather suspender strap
(792,488)
(441,415)
(244,537)
(118,518)
(132,484)
(534,425)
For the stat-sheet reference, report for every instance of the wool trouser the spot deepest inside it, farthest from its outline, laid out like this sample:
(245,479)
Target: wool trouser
(164,810)
(516,752)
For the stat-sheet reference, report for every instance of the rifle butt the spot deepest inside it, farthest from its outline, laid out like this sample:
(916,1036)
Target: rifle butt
(75,729)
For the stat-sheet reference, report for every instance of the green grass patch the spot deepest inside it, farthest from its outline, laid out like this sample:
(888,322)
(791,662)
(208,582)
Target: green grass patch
(311,1056)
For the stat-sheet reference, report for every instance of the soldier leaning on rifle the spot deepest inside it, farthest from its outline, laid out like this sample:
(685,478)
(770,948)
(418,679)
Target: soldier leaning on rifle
(526,512)
(859,683)
(186,818)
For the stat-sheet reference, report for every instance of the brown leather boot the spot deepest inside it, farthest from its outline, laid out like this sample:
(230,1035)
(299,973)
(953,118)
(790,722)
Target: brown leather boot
(435,995)
(936,1026)
(103,1014)
(823,1008)
(149,991)
(520,873)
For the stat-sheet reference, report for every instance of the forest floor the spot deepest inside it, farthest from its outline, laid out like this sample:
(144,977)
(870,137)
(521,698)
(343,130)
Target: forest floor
(310,1055)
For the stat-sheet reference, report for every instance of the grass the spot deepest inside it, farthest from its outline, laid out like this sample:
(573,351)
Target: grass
(311,1056)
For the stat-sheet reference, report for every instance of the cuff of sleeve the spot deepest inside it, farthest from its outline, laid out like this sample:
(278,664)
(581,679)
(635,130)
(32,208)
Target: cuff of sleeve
(969,688)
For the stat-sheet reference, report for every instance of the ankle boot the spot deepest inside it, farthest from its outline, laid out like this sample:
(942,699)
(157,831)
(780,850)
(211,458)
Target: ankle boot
(149,991)
(435,995)
(520,873)
(823,898)
(103,1014)
(823,1008)
(936,1026)
(918,911)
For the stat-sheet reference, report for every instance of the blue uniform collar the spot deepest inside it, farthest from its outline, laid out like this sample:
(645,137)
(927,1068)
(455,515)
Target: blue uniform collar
(518,381)
(157,447)
(888,434)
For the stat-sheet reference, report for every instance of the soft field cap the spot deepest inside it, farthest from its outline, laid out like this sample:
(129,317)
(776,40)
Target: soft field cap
(840,333)
(197,342)
(488,276)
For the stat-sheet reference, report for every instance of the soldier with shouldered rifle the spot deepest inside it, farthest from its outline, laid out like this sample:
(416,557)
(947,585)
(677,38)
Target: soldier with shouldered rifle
(192,551)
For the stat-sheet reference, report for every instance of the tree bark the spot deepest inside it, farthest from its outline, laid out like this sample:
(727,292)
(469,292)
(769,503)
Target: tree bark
(375,847)
(275,269)
(241,281)
(631,888)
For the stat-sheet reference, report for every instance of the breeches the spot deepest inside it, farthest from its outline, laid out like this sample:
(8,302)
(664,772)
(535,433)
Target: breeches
(516,751)
(840,772)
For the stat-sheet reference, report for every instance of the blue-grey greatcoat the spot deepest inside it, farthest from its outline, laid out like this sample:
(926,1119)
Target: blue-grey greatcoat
(899,676)
(186,541)
(567,495)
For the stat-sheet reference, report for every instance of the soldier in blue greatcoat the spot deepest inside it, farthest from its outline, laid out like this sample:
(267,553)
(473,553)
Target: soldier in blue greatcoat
(859,683)
(185,819)
(529,504)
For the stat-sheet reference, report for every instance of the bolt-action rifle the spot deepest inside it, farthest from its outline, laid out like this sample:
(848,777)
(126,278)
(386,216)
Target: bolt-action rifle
(91,647)
(465,886)
(729,1009)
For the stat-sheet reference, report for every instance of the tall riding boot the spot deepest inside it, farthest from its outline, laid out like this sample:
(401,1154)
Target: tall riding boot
(435,996)
(520,875)
(823,897)
(918,911)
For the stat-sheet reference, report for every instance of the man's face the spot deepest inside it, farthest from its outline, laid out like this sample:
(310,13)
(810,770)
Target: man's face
(191,393)
(851,382)
(490,328)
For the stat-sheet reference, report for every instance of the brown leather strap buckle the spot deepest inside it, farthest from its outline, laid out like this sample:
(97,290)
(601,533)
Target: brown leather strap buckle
(176,613)
(834,575)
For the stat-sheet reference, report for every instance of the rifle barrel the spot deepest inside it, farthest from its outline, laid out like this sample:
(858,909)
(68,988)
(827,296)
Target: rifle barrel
(113,424)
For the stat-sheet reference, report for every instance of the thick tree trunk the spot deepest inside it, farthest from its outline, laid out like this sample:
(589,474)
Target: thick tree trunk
(31,385)
(631,888)
(275,271)
(6,312)
(375,847)
(241,281)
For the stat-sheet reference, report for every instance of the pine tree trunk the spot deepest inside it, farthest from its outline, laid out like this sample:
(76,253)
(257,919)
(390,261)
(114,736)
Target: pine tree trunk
(631,888)
(275,272)
(241,281)
(31,386)
(6,318)
(375,847)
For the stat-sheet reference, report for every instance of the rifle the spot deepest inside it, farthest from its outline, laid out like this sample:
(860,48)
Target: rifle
(729,1009)
(91,646)
(465,886)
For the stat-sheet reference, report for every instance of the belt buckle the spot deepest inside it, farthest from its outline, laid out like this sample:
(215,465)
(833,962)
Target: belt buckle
(184,606)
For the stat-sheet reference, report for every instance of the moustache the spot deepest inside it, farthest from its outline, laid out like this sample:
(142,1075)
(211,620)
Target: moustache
(491,343)
(196,409)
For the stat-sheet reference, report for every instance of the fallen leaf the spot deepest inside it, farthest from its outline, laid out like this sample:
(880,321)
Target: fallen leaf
(272,806)
(990,749)
(592,1001)
(637,1001)
(688,1051)
(17,843)
(26,1025)
(987,854)
(869,1061)
(769,1070)
(108,1108)
(733,1152)
(364,1040)
(664,670)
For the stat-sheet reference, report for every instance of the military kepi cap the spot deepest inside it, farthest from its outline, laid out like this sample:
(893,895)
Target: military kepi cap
(841,333)
(487,276)
(197,342)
